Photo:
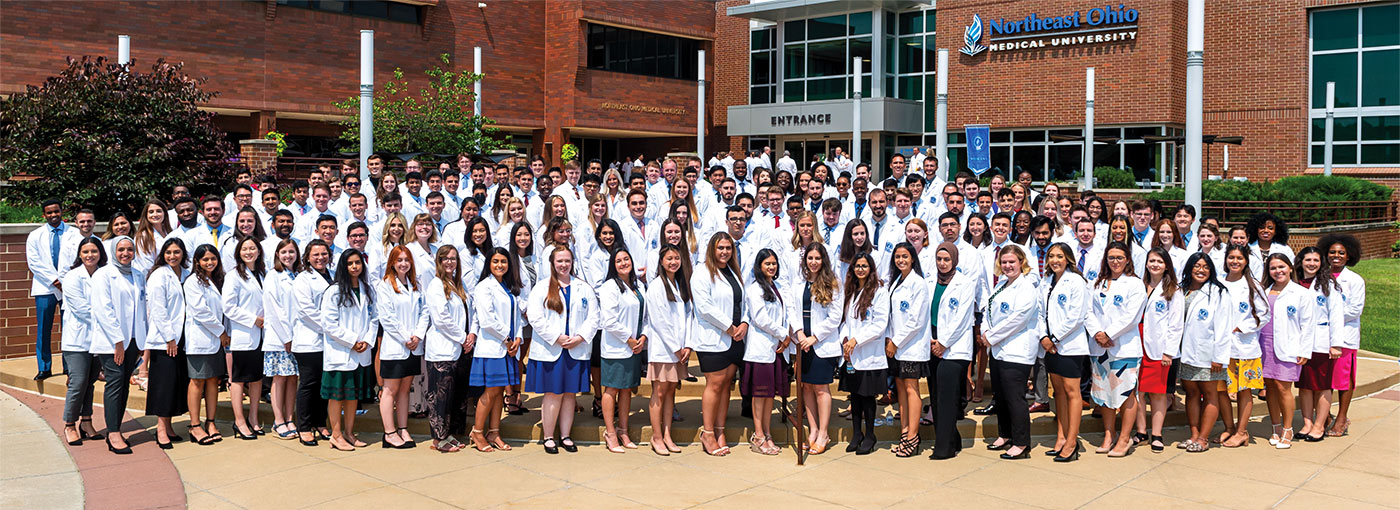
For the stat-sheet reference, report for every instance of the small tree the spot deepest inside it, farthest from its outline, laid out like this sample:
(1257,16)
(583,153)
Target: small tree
(436,119)
(108,136)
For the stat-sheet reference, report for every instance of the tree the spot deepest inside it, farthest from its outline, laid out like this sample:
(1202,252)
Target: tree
(108,137)
(437,119)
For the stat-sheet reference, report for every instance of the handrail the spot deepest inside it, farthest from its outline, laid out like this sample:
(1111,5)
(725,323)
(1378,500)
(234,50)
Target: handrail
(1305,214)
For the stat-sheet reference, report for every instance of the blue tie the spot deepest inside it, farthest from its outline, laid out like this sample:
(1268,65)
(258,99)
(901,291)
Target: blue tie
(55,243)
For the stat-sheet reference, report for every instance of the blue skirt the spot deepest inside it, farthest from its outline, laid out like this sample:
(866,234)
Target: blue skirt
(564,375)
(494,372)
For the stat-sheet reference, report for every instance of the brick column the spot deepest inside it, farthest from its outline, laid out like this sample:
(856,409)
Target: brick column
(18,323)
(260,155)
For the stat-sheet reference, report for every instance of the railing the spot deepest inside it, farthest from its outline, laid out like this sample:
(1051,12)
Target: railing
(291,168)
(1299,214)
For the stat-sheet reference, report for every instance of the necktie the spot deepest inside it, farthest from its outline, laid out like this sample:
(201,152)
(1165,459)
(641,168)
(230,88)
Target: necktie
(828,232)
(1083,254)
(55,243)
(214,232)
(876,234)
(1040,261)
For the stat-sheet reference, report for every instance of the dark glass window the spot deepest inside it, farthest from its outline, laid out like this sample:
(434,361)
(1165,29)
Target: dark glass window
(392,11)
(636,52)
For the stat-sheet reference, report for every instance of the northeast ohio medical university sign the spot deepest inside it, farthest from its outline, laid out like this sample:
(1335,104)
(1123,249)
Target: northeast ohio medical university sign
(1099,25)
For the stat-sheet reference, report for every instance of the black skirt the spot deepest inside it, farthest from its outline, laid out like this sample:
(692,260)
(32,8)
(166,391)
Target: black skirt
(866,383)
(401,368)
(818,370)
(247,367)
(1069,367)
(167,384)
(910,369)
(718,361)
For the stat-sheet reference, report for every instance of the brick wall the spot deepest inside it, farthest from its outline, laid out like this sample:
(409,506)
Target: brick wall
(260,155)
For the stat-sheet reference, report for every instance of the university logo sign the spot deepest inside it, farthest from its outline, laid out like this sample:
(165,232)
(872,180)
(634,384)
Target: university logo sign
(1099,25)
(972,37)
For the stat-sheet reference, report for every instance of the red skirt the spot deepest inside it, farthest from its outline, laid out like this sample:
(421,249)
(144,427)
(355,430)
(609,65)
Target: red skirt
(1317,373)
(1152,378)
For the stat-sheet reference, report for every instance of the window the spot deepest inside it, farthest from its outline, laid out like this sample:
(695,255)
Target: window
(392,11)
(1358,49)
(1034,151)
(636,52)
(763,66)
(913,61)
(817,55)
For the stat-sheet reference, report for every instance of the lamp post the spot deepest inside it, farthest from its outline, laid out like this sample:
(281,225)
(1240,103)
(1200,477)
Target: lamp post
(123,49)
(1327,133)
(940,136)
(855,113)
(1088,128)
(366,101)
(700,106)
(1195,78)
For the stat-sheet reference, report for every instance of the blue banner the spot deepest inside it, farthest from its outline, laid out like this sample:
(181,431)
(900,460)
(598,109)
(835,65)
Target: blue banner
(979,147)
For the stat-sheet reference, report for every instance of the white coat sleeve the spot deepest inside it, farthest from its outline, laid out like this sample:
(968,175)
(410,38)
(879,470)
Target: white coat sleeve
(878,320)
(233,287)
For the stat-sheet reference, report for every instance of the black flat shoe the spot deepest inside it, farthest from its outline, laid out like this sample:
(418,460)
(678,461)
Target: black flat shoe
(1139,438)
(568,445)
(550,447)
(1314,439)
(312,442)
(126,450)
(996,447)
(43,374)
(987,410)
(1025,454)
(246,437)
(942,456)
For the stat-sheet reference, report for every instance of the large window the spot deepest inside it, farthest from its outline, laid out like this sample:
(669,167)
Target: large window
(763,66)
(636,52)
(392,11)
(1035,151)
(1357,48)
(817,56)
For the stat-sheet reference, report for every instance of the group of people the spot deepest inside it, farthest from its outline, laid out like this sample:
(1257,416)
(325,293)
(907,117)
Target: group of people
(448,291)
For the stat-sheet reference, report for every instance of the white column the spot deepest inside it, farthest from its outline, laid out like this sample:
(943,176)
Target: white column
(1192,173)
(855,112)
(123,49)
(1327,136)
(1088,128)
(476,87)
(700,107)
(940,125)
(366,101)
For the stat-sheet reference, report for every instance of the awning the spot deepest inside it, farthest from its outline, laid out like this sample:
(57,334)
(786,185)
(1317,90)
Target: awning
(782,10)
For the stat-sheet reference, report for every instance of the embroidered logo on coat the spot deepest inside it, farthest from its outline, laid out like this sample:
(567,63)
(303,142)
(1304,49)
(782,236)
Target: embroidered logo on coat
(1160,306)
(1292,311)
(1321,300)
(585,305)
(1244,307)
(1061,300)
(903,306)
(1005,307)
(1093,274)
(1202,314)
(1118,300)
(952,304)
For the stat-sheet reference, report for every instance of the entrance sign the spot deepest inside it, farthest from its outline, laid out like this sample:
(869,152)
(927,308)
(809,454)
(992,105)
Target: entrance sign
(979,147)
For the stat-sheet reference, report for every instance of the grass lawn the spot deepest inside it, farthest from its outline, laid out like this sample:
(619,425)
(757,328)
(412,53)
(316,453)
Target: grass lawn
(1380,322)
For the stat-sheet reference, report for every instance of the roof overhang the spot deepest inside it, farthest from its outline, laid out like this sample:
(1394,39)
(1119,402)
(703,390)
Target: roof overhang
(782,10)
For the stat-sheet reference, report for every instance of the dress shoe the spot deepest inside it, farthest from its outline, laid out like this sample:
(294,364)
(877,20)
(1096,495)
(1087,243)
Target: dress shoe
(1039,407)
(43,374)
(987,410)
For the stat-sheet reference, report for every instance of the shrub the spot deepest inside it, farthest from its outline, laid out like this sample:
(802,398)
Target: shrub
(1299,188)
(1108,177)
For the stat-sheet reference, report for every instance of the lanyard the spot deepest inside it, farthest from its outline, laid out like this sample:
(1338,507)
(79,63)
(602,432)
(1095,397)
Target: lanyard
(568,309)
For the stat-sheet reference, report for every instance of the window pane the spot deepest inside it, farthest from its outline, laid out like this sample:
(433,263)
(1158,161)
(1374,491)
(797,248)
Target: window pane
(1001,137)
(860,47)
(956,135)
(931,54)
(1107,155)
(1380,128)
(826,27)
(860,23)
(761,39)
(760,67)
(911,22)
(760,95)
(830,88)
(931,109)
(794,31)
(794,56)
(793,91)
(1344,129)
(1315,155)
(911,54)
(1383,154)
(827,58)
(1001,159)
(957,160)
(1340,68)
(911,87)
(1138,132)
(1380,26)
(1344,154)
(1380,79)
(1065,160)
(930,21)
(1334,30)
(889,54)
(1141,158)
(1029,159)
(1028,136)
(864,87)
(1318,131)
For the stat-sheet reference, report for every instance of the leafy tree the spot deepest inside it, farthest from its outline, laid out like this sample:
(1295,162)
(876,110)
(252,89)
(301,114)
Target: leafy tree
(437,119)
(108,136)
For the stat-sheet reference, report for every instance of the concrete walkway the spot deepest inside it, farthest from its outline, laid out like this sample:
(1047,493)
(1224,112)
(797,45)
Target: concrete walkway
(35,469)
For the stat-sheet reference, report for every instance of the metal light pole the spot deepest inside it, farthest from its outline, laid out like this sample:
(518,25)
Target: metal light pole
(123,49)
(1327,137)
(1088,128)
(476,87)
(366,101)
(940,136)
(700,107)
(1195,78)
(855,114)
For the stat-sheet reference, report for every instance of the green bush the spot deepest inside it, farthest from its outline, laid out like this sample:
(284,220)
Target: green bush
(1107,177)
(20,213)
(1299,188)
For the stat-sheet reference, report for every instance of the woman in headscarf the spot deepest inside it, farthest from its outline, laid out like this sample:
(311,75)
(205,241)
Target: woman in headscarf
(953,303)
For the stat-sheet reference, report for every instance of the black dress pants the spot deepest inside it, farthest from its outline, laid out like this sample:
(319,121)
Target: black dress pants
(1013,416)
(946,380)
(311,408)
(118,378)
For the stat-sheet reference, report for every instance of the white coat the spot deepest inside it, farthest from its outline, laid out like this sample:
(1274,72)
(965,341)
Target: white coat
(1206,337)
(1162,324)
(1065,313)
(38,256)
(309,325)
(1295,315)
(279,311)
(579,318)
(1354,294)
(714,310)
(768,325)
(447,323)
(79,324)
(909,318)
(165,308)
(955,309)
(119,309)
(1245,343)
(1328,327)
(668,323)
(347,324)
(204,317)
(1116,312)
(826,321)
(243,305)
(496,311)
(425,262)
(622,318)
(868,330)
(402,315)
(1010,321)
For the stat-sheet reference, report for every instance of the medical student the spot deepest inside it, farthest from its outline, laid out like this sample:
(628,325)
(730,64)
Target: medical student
(953,303)
(1161,341)
(279,321)
(347,368)
(1065,307)
(495,365)
(1315,381)
(1117,346)
(79,329)
(243,306)
(564,312)
(622,298)
(307,341)
(816,321)
(865,319)
(447,337)
(118,304)
(206,335)
(765,369)
(168,375)
(1344,251)
(721,323)
(1286,343)
(1010,320)
(908,332)
(404,320)
(1249,311)
(1205,347)
(45,254)
(669,321)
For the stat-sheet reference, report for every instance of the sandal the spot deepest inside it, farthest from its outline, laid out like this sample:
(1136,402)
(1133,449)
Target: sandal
(826,444)
(478,444)
(204,441)
(1158,445)
(214,436)
(908,447)
(493,436)
(1139,438)
(289,433)
(1287,441)
(719,451)
(597,408)
(1273,439)
(1195,447)
(449,445)
(550,446)
(756,443)
(1333,432)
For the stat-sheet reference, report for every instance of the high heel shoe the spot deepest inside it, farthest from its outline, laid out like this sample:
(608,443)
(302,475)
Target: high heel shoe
(240,435)
(86,435)
(1025,454)
(476,433)
(999,447)
(867,445)
(1286,441)
(1073,456)
(202,441)
(610,439)
(125,450)
(908,447)
(76,431)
